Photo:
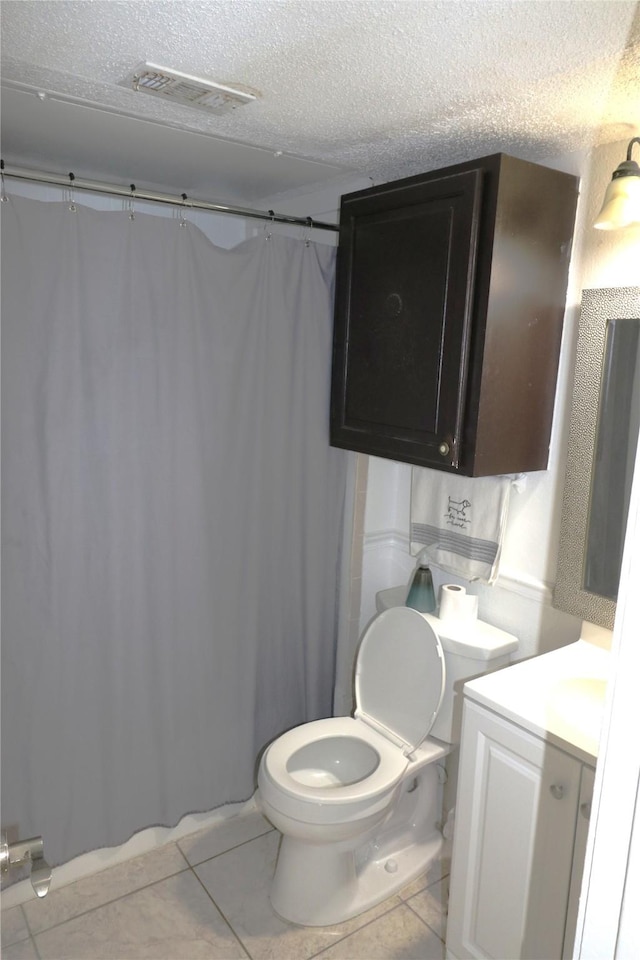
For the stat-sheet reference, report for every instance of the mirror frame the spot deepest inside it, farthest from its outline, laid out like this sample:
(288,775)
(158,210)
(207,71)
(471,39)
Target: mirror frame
(598,306)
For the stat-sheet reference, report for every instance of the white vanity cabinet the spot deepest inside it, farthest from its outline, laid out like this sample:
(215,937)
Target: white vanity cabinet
(514,859)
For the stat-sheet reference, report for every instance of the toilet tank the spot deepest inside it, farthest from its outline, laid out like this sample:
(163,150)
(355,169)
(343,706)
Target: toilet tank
(471,648)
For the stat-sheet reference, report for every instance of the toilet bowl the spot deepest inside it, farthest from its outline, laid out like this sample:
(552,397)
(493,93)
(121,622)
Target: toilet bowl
(358,799)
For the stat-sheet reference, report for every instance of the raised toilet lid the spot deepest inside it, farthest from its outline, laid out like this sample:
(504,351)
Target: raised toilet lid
(400,676)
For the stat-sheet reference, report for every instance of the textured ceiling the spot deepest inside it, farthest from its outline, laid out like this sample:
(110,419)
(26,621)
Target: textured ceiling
(385,89)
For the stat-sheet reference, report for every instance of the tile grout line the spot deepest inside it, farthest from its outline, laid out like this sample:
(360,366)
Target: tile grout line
(401,903)
(29,931)
(222,914)
(191,867)
(428,925)
(29,936)
(364,926)
(236,846)
(183,854)
(36,948)
(428,886)
(123,896)
(107,903)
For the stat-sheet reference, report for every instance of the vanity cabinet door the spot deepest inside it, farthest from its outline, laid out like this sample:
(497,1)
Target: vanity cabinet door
(513,845)
(403,309)
(450,294)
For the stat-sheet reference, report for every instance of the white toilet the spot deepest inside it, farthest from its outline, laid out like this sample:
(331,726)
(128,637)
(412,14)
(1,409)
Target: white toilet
(358,799)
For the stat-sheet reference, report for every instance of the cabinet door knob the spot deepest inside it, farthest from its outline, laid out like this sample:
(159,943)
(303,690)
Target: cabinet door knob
(557,791)
(585,809)
(444,449)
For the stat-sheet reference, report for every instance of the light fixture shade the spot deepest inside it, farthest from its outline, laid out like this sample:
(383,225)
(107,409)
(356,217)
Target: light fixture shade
(621,207)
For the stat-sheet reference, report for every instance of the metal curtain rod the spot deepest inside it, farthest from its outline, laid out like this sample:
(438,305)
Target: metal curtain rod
(96,186)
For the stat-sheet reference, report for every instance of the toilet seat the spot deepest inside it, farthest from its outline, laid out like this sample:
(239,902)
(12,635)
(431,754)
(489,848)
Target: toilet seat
(390,766)
(329,804)
(400,677)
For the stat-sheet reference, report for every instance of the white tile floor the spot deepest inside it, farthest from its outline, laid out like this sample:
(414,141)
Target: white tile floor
(207,897)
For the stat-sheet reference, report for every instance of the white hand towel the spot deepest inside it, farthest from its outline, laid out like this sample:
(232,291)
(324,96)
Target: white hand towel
(459,522)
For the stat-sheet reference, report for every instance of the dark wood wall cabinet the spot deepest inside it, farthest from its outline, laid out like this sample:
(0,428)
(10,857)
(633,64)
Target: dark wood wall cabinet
(450,297)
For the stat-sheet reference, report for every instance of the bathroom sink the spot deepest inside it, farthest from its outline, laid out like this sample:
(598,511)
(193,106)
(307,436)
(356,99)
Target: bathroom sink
(577,704)
(559,695)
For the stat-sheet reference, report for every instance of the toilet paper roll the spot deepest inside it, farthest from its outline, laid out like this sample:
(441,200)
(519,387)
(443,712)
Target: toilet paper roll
(457,604)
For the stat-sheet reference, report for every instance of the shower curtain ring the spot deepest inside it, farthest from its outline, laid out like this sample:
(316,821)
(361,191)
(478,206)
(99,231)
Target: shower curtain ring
(71,197)
(183,218)
(309,228)
(130,205)
(268,227)
(3,192)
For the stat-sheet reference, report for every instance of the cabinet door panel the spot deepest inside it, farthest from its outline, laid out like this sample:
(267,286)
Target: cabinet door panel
(398,303)
(404,297)
(515,823)
(504,844)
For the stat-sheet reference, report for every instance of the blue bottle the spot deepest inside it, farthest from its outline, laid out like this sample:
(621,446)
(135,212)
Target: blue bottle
(421,595)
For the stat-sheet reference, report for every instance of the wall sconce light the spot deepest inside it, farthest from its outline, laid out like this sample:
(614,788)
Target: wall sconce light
(621,207)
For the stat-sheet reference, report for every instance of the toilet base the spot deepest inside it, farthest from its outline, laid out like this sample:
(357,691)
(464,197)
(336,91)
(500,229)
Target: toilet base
(320,886)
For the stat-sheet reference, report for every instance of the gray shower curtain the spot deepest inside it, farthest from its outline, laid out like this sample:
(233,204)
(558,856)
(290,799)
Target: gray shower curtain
(172,516)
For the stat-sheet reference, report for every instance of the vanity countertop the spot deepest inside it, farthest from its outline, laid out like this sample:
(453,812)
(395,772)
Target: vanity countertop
(558,696)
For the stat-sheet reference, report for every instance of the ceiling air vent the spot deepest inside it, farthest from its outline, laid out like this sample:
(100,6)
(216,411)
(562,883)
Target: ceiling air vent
(186,90)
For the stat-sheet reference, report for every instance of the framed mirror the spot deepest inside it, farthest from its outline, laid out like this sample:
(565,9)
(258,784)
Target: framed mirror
(603,435)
